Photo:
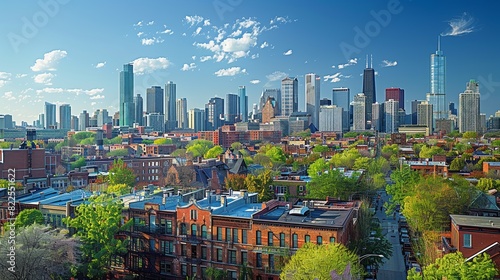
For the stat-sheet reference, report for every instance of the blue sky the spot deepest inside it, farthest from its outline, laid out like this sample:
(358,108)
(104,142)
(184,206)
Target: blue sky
(67,51)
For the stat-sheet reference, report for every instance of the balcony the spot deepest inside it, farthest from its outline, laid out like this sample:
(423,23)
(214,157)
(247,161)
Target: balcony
(191,239)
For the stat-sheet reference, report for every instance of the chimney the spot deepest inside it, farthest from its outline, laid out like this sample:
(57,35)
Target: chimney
(244,194)
(230,192)
(223,201)
(208,195)
(42,195)
(164,199)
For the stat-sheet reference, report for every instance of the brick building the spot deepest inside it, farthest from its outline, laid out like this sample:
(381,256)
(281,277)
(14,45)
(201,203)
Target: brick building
(29,162)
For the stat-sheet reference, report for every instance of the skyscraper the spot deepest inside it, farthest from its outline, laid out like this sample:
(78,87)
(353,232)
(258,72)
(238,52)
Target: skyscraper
(469,109)
(414,104)
(103,117)
(65,116)
(341,97)
(74,123)
(196,119)
(437,95)
(214,111)
(170,100)
(270,92)
(84,121)
(154,101)
(378,117)
(424,115)
(312,93)
(127,110)
(243,110)
(50,116)
(359,112)
(41,120)
(330,118)
(369,90)
(232,107)
(391,110)
(289,96)
(182,114)
(139,109)
(397,94)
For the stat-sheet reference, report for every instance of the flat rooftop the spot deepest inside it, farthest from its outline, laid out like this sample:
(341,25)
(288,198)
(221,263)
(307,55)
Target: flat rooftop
(476,221)
(315,216)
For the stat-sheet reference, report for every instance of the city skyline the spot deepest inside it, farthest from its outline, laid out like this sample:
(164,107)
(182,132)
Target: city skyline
(210,51)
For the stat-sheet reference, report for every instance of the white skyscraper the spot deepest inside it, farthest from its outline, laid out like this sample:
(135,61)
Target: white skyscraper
(196,119)
(391,110)
(358,109)
(331,118)
(289,96)
(425,115)
(313,97)
(469,109)
(182,114)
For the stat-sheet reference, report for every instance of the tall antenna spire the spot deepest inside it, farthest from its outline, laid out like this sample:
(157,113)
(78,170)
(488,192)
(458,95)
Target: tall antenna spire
(371,60)
(366,61)
(439,43)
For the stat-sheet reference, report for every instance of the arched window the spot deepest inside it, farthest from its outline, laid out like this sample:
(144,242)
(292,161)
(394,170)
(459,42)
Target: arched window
(183,229)
(204,231)
(193,230)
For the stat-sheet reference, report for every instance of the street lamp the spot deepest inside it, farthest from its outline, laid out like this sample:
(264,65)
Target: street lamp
(369,255)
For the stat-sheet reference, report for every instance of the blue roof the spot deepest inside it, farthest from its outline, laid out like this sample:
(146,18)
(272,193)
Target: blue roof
(36,196)
(170,203)
(62,199)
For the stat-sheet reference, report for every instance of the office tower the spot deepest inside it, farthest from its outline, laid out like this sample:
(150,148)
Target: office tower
(182,113)
(214,112)
(127,108)
(103,117)
(414,105)
(65,116)
(469,108)
(50,116)
(391,116)
(341,97)
(139,109)
(270,110)
(156,121)
(289,96)
(312,94)
(154,96)
(274,92)
(437,95)
(83,121)
(6,121)
(359,112)
(369,90)
(397,94)
(452,109)
(170,105)
(255,111)
(116,119)
(482,123)
(425,115)
(330,118)
(378,117)
(74,123)
(243,104)
(41,120)
(196,119)
(325,102)
(232,113)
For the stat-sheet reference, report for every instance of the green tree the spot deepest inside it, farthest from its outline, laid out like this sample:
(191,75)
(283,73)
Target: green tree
(403,185)
(79,136)
(470,135)
(276,155)
(96,224)
(345,159)
(147,141)
(28,217)
(390,150)
(120,173)
(457,164)
(78,163)
(486,184)
(263,160)
(213,152)
(454,266)
(198,147)
(362,163)
(118,153)
(179,153)
(427,152)
(162,141)
(236,146)
(314,261)
(320,149)
(260,184)
(235,181)
(332,184)
(87,141)
(116,140)
(119,189)
(318,167)
(217,274)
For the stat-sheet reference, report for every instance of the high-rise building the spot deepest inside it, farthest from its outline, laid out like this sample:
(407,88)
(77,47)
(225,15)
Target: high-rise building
(425,115)
(154,101)
(437,95)
(270,110)
(274,92)
(391,113)
(41,120)
(182,113)
(156,121)
(312,93)
(359,112)
(341,97)
(289,96)
(139,109)
(397,94)
(83,121)
(469,108)
(325,102)
(452,109)
(6,122)
(50,116)
(74,123)
(65,116)
(214,113)
(369,90)
(196,119)
(378,123)
(127,108)
(170,106)
(243,110)
(330,118)
(103,117)
(414,105)
(232,113)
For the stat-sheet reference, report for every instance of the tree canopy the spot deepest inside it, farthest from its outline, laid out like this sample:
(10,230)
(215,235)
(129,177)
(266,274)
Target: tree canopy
(333,184)
(162,141)
(28,217)
(118,153)
(198,147)
(120,173)
(213,152)
(118,189)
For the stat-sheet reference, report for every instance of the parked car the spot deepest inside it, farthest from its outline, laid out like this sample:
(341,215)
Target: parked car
(417,267)
(403,230)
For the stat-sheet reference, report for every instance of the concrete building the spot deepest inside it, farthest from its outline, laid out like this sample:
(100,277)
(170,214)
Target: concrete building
(331,118)
(469,109)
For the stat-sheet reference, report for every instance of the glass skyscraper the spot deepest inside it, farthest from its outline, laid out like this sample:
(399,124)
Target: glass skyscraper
(369,91)
(154,96)
(341,97)
(139,109)
(243,104)
(127,108)
(170,110)
(437,95)
(289,96)
(214,110)
(232,113)
(313,97)
(65,116)
(50,116)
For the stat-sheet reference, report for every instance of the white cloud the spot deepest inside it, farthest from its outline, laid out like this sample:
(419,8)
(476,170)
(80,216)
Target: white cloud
(333,66)
(198,30)
(247,23)
(9,96)
(265,44)
(147,65)
(49,90)
(205,58)
(187,67)
(21,75)
(387,63)
(193,20)
(255,82)
(97,97)
(276,76)
(76,91)
(206,22)
(139,34)
(49,61)
(44,78)
(4,78)
(351,61)
(151,22)
(333,78)
(211,45)
(151,41)
(255,56)
(280,20)
(193,57)
(100,64)
(230,71)
(236,33)
(93,103)
(167,31)
(241,44)
(289,52)
(138,24)
(460,26)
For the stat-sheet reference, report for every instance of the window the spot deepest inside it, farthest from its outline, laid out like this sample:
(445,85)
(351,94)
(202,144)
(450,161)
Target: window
(228,234)
(258,238)
(183,250)
(168,229)
(282,240)
(244,236)
(183,269)
(137,262)
(307,238)
(165,267)
(235,235)
(258,260)
(167,247)
(204,231)
(183,229)
(194,251)
(232,275)
(193,230)
(231,255)
(219,234)
(194,214)
(319,240)
(271,261)
(152,245)
(204,252)
(467,240)
(332,239)
(270,238)
(219,255)
(244,258)
(295,241)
